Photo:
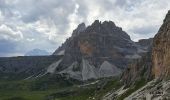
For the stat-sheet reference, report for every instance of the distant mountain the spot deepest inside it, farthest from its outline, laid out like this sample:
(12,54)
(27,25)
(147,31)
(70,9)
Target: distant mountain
(37,52)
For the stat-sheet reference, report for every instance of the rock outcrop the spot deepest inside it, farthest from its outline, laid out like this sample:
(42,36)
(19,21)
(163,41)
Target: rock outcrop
(161,51)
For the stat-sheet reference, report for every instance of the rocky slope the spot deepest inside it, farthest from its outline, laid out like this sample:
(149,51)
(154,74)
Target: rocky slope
(99,50)
(152,91)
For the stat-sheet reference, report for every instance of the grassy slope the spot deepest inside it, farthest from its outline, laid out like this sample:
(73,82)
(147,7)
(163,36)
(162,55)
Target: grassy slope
(36,89)
(54,89)
(95,91)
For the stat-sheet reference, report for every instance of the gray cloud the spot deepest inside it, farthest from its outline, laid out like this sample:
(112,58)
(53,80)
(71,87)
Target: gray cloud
(9,34)
(121,3)
(46,8)
(145,30)
(45,24)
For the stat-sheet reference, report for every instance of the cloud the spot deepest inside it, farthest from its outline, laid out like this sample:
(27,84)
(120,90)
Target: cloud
(45,24)
(143,30)
(9,34)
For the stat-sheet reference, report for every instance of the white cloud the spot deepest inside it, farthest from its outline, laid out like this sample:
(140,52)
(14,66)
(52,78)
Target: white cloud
(9,34)
(129,14)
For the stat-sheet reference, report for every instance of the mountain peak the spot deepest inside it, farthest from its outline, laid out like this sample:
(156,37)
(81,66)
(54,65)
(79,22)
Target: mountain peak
(109,24)
(167,18)
(105,23)
(96,22)
(107,28)
(81,27)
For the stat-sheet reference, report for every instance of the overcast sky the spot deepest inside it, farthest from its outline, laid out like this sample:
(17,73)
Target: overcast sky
(45,24)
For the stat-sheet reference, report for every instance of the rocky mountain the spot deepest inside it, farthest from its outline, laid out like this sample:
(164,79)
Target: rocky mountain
(37,52)
(99,50)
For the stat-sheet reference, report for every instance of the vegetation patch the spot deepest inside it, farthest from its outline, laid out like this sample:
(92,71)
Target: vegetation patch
(136,86)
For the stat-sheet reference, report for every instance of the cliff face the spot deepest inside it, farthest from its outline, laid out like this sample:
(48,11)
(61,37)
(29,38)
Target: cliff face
(161,51)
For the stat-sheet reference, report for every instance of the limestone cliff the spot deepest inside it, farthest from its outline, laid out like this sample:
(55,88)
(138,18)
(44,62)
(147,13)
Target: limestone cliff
(161,51)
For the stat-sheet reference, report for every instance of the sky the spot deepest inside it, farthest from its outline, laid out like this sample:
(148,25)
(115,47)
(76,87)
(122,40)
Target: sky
(45,24)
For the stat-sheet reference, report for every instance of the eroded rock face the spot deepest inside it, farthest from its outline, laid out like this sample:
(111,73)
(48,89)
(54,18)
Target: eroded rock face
(161,51)
(97,44)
